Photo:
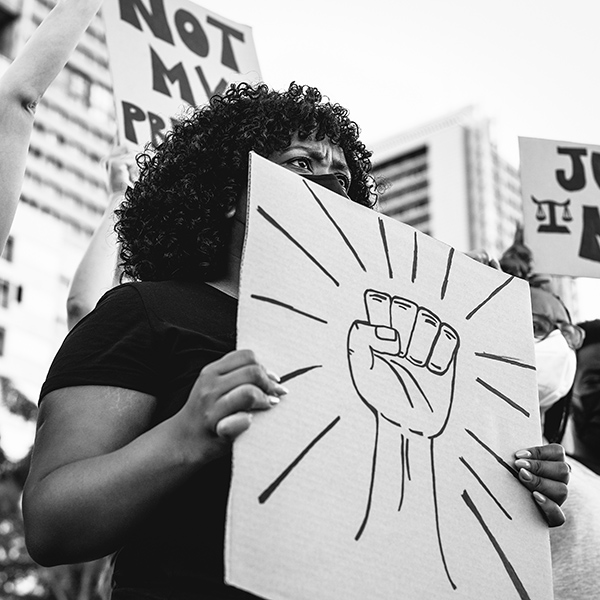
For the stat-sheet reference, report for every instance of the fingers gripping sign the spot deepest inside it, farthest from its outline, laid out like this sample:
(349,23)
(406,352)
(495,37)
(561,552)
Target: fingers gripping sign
(225,395)
(403,363)
(544,471)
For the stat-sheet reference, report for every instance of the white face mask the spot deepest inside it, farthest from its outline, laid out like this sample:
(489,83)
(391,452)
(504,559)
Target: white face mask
(556,364)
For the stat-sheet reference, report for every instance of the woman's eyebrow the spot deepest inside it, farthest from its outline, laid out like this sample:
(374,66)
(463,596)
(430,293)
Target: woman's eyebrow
(313,153)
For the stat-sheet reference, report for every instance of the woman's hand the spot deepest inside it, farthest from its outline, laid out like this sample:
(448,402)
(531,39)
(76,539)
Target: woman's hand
(544,471)
(227,391)
(484,257)
(121,170)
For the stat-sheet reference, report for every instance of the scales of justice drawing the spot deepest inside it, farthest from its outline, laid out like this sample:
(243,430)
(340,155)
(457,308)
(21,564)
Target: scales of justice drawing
(387,471)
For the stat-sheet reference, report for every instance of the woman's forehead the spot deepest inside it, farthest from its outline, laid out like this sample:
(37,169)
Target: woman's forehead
(545,303)
(312,140)
(323,148)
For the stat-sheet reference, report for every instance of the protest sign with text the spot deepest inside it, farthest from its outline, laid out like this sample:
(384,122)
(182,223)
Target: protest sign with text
(166,55)
(560,184)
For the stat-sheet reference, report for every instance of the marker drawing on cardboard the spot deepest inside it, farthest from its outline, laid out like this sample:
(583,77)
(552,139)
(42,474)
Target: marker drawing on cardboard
(561,205)
(387,469)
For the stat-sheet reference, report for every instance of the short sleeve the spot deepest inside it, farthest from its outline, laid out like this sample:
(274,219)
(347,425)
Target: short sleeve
(114,345)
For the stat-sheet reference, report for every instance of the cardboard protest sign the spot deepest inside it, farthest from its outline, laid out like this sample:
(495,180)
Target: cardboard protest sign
(386,472)
(560,184)
(166,55)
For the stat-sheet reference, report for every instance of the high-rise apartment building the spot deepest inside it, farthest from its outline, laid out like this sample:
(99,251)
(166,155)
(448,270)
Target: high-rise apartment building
(62,200)
(446,179)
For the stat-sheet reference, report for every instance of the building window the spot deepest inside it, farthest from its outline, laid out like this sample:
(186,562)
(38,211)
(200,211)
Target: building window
(4,292)
(80,87)
(7,253)
(8,20)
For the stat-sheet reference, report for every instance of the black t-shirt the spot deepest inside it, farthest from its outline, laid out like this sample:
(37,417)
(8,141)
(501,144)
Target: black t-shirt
(155,337)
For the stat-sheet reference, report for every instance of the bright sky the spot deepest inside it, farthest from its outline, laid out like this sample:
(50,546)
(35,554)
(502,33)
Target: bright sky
(531,65)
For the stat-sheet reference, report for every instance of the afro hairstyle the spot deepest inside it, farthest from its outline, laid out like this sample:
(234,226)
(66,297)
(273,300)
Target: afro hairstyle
(173,223)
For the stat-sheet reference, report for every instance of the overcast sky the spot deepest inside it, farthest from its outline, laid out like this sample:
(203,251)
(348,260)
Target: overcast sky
(530,65)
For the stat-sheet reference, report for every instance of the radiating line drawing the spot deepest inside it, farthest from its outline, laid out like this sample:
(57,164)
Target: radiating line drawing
(502,396)
(337,227)
(464,461)
(288,307)
(507,359)
(279,227)
(498,458)
(402,361)
(267,493)
(297,373)
(415,257)
(385,247)
(447,275)
(505,562)
(482,304)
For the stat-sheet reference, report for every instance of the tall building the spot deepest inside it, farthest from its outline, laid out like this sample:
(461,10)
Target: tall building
(62,200)
(446,179)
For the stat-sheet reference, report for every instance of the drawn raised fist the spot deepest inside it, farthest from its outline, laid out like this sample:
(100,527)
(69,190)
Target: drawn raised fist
(403,363)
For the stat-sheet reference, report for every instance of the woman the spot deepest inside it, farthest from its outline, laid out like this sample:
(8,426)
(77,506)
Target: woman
(576,545)
(137,415)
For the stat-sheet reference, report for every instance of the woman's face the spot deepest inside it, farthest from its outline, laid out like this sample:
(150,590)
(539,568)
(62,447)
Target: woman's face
(545,304)
(307,157)
(314,157)
(555,359)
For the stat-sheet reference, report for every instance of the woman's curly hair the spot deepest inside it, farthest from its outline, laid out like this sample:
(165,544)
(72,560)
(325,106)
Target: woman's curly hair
(173,222)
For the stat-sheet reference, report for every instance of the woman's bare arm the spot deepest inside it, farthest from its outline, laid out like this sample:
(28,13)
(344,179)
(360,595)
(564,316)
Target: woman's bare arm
(23,85)
(98,467)
(98,270)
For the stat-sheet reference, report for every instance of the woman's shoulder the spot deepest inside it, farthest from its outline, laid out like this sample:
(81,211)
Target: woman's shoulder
(157,290)
(179,303)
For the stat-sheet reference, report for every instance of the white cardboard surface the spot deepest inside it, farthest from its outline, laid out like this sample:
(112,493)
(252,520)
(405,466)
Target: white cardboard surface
(317,482)
(561,205)
(166,55)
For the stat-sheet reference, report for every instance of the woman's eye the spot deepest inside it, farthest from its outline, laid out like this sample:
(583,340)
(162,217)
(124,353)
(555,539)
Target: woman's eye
(344,181)
(300,163)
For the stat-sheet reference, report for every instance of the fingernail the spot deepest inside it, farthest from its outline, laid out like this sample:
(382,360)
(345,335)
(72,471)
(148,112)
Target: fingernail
(526,475)
(522,464)
(281,390)
(385,333)
(273,400)
(523,454)
(273,376)
(539,497)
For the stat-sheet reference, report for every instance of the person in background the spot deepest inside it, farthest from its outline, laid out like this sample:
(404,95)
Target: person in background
(556,343)
(575,546)
(98,270)
(22,87)
(517,260)
(137,415)
(585,404)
